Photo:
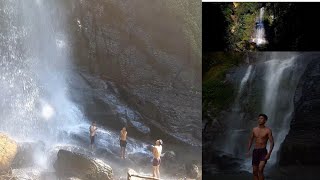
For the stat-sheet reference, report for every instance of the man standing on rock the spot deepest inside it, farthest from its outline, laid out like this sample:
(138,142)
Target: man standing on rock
(157,149)
(93,128)
(123,142)
(260,155)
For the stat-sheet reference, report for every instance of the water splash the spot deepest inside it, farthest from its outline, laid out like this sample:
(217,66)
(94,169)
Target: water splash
(35,66)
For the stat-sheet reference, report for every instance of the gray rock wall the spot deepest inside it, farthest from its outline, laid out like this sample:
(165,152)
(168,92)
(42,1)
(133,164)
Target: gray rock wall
(302,144)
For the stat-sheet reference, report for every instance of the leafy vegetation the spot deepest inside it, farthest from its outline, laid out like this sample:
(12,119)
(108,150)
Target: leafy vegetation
(288,26)
(241,19)
(218,93)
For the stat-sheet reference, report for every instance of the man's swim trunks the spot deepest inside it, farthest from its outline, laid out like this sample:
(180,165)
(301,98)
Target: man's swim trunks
(156,161)
(92,139)
(123,143)
(259,155)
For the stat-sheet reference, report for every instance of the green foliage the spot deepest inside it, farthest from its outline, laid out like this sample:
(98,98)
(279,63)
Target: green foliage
(241,23)
(216,92)
(216,64)
(247,8)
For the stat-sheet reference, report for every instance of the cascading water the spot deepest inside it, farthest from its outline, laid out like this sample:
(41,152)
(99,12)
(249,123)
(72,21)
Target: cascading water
(267,86)
(236,125)
(279,120)
(280,79)
(35,68)
(34,64)
(245,79)
(259,35)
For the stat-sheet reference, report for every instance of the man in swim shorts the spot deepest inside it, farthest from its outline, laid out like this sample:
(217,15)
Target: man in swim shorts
(123,142)
(260,155)
(156,151)
(93,128)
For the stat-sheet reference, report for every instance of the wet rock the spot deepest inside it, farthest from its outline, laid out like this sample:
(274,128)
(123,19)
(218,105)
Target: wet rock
(220,162)
(302,144)
(169,162)
(140,158)
(70,164)
(8,151)
(171,165)
(162,81)
(136,176)
(192,171)
(169,156)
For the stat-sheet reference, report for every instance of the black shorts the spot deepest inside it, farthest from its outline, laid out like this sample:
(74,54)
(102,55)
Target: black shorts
(259,155)
(156,162)
(123,143)
(91,139)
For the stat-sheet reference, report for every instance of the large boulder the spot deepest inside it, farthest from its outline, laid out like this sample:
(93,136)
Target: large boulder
(170,163)
(193,171)
(302,144)
(70,164)
(8,151)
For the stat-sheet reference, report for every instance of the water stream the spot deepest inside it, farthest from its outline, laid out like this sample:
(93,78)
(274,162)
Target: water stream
(35,73)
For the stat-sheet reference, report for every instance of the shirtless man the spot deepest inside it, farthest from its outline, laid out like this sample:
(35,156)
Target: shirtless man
(92,131)
(123,142)
(157,149)
(260,155)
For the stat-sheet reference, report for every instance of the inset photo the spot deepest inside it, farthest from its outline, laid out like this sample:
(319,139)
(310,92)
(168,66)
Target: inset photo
(261,115)
(260,26)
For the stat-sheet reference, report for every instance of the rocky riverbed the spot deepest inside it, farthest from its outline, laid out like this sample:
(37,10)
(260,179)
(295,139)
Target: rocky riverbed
(21,160)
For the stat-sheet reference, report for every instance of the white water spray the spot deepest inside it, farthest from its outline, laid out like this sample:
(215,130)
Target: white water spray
(231,148)
(279,123)
(259,35)
(35,69)
(277,101)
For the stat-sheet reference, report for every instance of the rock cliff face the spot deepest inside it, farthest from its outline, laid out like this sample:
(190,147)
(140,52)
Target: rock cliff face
(151,51)
(302,144)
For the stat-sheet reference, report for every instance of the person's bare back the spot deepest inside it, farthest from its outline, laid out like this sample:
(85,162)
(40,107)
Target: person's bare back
(157,151)
(123,135)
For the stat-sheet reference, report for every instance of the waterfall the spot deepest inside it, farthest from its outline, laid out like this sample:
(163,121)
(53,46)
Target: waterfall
(36,75)
(35,61)
(245,79)
(279,122)
(259,35)
(267,86)
(280,79)
(235,126)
